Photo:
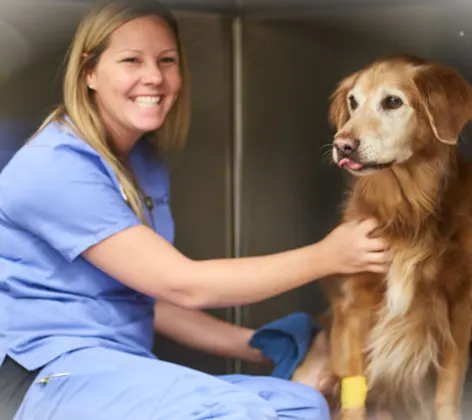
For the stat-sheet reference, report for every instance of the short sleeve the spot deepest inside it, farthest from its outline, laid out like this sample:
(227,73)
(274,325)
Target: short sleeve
(65,196)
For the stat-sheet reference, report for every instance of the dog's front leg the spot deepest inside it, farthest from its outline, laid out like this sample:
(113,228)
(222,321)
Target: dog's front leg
(351,323)
(450,383)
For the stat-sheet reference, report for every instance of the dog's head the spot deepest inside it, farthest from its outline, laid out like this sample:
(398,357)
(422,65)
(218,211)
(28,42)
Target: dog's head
(395,109)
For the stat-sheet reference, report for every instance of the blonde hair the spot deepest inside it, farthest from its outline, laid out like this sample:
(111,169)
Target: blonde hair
(91,39)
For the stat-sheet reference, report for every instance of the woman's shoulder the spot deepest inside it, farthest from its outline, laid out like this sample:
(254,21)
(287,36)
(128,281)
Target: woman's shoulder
(59,137)
(53,149)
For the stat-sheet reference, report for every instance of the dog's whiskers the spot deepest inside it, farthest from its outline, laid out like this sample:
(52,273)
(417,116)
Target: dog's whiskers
(326,154)
(326,146)
(327,157)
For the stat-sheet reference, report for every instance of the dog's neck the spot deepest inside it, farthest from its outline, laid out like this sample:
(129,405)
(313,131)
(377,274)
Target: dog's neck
(405,196)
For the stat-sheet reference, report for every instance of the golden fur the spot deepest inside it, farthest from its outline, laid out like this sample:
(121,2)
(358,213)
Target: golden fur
(408,332)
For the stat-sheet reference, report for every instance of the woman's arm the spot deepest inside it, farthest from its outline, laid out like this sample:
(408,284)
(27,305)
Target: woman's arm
(141,259)
(201,331)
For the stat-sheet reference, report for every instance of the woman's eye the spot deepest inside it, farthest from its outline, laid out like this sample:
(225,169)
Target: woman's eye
(130,60)
(167,60)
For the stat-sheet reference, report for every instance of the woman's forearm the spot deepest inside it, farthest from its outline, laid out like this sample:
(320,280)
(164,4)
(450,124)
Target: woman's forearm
(226,282)
(201,331)
(146,262)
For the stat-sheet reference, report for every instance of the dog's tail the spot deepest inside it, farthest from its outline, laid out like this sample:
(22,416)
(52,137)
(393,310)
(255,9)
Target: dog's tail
(403,351)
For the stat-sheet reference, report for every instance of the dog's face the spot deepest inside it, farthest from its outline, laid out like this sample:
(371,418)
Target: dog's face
(395,109)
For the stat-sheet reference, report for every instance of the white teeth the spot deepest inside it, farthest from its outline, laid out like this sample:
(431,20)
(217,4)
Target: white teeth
(147,101)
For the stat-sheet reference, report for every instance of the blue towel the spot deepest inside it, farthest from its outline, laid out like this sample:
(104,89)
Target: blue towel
(285,341)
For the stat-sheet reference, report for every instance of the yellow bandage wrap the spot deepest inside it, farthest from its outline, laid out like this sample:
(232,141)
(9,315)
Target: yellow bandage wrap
(353,392)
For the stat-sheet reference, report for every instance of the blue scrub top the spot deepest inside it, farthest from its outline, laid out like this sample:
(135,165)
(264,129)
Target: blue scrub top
(58,197)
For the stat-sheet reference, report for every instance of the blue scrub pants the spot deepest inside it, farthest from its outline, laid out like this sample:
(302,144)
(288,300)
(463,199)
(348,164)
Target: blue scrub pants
(105,384)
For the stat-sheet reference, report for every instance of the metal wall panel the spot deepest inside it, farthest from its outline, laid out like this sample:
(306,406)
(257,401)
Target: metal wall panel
(289,195)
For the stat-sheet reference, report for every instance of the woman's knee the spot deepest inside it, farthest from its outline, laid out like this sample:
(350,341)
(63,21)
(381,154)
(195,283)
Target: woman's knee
(222,401)
(290,400)
(242,405)
(298,401)
(301,402)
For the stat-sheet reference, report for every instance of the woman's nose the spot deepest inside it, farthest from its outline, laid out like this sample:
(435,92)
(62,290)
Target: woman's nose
(153,75)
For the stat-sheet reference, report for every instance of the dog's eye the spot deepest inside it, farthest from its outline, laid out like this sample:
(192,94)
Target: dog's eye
(352,102)
(392,102)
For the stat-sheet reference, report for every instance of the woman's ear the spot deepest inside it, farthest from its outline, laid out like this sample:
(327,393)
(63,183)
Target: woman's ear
(91,80)
(446,98)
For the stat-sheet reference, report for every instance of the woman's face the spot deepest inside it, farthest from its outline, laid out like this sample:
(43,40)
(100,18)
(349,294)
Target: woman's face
(137,79)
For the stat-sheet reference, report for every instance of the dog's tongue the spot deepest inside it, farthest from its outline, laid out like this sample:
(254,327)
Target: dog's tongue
(355,166)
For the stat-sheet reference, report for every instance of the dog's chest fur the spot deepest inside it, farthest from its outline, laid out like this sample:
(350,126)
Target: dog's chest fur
(401,280)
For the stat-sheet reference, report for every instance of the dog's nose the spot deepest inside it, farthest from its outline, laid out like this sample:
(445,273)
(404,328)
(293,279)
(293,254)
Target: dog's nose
(346,146)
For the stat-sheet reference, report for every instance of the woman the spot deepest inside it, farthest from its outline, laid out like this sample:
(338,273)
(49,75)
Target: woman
(86,254)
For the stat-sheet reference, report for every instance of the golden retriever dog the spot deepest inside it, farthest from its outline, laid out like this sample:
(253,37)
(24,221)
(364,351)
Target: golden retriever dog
(400,342)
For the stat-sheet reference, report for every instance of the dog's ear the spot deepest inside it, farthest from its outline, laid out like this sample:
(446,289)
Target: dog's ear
(338,111)
(446,99)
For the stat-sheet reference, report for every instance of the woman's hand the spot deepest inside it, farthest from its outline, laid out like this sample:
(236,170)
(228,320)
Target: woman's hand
(248,353)
(353,249)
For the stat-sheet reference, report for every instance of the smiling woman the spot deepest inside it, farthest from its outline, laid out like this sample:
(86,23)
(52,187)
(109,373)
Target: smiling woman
(137,80)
